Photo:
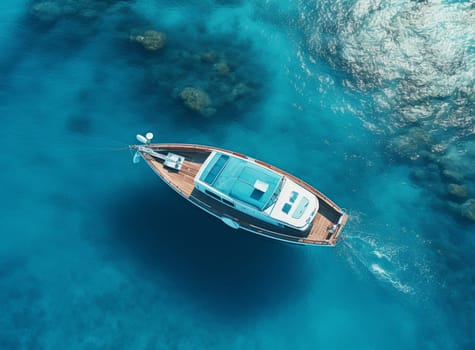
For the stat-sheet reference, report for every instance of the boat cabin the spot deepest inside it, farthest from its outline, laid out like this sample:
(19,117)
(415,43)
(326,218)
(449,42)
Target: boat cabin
(256,190)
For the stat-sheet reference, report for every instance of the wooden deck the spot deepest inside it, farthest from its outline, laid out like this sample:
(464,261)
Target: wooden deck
(320,233)
(183,180)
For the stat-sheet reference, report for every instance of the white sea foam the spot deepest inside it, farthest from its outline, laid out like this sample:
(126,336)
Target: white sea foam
(385,261)
(384,275)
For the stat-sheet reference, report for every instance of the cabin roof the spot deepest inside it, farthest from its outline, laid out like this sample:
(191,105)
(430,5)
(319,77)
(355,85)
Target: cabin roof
(240,179)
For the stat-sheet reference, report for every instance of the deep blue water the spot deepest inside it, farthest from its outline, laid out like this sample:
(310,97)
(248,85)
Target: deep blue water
(373,102)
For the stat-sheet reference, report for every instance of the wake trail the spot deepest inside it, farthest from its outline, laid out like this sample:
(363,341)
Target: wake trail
(382,261)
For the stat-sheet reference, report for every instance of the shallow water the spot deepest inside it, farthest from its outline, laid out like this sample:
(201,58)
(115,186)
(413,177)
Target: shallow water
(372,102)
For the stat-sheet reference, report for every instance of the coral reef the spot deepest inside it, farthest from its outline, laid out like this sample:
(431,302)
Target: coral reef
(47,11)
(452,175)
(239,90)
(204,81)
(443,168)
(467,209)
(457,191)
(411,145)
(85,10)
(151,40)
(197,100)
(221,68)
(209,56)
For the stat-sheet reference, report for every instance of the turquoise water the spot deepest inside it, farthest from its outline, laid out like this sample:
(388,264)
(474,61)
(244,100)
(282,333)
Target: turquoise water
(372,102)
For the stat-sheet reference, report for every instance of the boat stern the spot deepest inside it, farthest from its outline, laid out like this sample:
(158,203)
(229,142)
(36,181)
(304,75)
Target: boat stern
(295,207)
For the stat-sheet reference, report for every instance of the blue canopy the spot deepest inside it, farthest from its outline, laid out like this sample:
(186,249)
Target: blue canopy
(237,178)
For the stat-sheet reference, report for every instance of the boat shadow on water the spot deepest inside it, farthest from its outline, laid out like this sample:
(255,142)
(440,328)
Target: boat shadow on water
(233,272)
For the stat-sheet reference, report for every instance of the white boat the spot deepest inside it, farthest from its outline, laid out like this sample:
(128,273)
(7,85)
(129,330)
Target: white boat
(244,192)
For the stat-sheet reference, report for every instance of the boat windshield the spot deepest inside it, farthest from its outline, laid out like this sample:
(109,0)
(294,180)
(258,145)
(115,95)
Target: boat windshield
(276,193)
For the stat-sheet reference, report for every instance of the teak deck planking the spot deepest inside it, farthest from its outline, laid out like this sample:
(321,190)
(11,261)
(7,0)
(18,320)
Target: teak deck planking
(183,182)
